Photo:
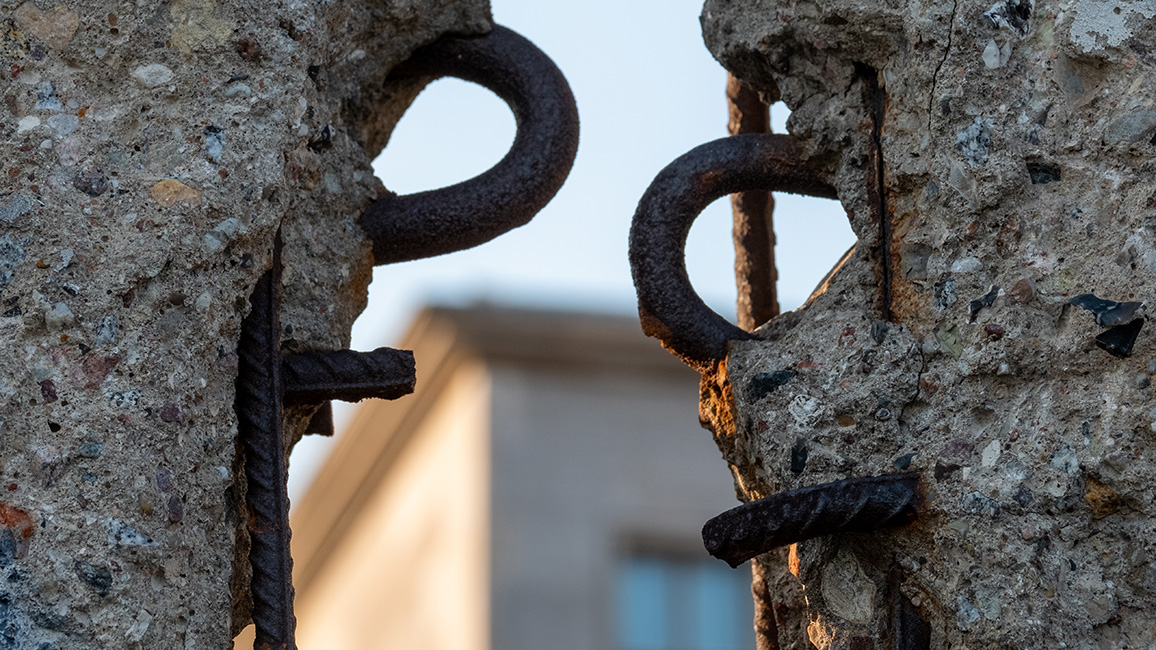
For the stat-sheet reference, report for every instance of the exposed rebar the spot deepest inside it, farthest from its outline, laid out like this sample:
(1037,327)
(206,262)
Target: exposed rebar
(877,188)
(858,504)
(668,306)
(756,292)
(908,630)
(259,410)
(753,210)
(509,194)
(312,377)
(766,630)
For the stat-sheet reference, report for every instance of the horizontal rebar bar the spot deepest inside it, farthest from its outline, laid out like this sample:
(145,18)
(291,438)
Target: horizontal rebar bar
(858,504)
(347,375)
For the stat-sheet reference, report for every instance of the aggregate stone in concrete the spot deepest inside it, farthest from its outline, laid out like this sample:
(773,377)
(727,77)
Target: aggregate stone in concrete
(150,152)
(1017,142)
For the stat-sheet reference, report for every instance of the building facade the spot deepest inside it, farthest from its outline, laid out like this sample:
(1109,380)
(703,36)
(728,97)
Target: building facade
(544,487)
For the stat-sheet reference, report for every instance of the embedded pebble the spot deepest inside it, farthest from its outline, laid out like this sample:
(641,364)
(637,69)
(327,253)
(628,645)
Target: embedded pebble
(214,143)
(967,614)
(15,207)
(966,265)
(1132,127)
(238,90)
(176,509)
(974,141)
(990,454)
(991,55)
(27,123)
(137,630)
(46,99)
(121,534)
(171,192)
(11,254)
(203,302)
(92,182)
(172,412)
(106,332)
(63,123)
(1021,292)
(55,27)
(153,75)
(58,317)
(847,590)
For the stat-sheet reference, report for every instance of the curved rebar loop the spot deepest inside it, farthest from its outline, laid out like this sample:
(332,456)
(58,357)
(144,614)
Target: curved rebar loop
(401,228)
(509,194)
(851,505)
(668,306)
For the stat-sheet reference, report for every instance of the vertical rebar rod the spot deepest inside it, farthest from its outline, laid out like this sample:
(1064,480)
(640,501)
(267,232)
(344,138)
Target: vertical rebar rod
(754,234)
(766,630)
(259,396)
(757,296)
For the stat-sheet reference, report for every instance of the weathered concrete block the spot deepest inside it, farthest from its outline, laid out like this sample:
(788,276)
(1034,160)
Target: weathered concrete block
(150,153)
(1017,175)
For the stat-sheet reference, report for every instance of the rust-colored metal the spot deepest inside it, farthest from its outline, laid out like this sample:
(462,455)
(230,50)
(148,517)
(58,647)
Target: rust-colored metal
(259,409)
(756,283)
(668,306)
(907,629)
(750,164)
(877,190)
(851,505)
(266,382)
(401,228)
(312,377)
(472,212)
(766,629)
(754,232)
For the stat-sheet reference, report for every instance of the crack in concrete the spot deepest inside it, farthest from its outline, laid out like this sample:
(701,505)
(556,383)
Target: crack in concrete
(877,192)
(935,75)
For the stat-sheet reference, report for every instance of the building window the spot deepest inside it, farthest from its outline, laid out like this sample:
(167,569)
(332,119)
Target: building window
(675,603)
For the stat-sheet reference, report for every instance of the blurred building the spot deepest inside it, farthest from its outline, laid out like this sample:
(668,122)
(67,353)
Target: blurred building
(543,488)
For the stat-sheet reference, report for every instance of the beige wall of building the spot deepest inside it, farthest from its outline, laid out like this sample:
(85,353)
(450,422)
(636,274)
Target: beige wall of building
(494,507)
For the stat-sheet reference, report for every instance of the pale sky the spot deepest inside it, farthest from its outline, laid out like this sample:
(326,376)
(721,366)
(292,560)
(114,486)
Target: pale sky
(647,91)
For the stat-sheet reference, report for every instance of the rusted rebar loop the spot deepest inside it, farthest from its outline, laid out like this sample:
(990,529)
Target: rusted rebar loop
(401,228)
(669,308)
(852,505)
(508,195)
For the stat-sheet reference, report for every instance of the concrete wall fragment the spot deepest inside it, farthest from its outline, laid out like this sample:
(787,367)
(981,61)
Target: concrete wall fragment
(150,153)
(1016,142)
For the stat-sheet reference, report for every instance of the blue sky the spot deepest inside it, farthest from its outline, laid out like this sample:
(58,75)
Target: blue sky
(647,90)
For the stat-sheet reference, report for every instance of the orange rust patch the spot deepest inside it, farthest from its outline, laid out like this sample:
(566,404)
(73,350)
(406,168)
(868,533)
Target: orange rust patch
(17,520)
(716,406)
(1102,499)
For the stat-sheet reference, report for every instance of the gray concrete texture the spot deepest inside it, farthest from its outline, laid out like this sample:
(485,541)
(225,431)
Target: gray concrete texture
(1017,143)
(150,152)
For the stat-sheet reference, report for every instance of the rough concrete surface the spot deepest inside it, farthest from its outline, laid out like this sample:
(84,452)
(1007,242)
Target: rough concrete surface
(150,152)
(1017,147)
